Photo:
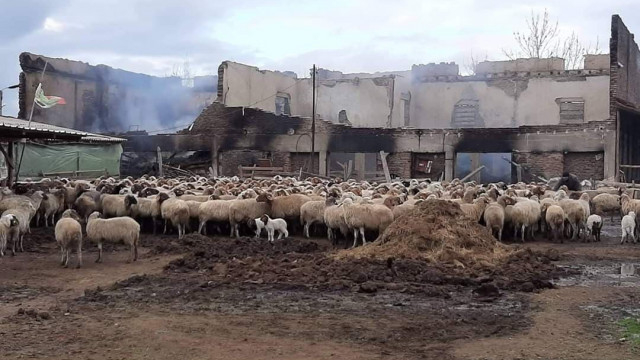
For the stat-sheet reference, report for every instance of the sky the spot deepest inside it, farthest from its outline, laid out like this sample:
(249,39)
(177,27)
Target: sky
(156,36)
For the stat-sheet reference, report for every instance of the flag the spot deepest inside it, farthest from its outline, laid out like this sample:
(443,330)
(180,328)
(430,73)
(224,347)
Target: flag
(47,101)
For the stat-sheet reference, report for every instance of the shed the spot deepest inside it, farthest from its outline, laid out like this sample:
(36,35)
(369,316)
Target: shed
(49,150)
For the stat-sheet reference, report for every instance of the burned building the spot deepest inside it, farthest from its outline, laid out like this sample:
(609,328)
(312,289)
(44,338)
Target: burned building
(525,119)
(103,99)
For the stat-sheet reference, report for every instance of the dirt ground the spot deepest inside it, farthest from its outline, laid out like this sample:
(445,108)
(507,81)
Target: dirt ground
(216,298)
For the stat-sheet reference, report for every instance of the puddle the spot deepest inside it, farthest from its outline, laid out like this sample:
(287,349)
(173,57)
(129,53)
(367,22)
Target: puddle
(599,274)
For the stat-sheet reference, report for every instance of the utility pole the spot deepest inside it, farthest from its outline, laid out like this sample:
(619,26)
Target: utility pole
(313,120)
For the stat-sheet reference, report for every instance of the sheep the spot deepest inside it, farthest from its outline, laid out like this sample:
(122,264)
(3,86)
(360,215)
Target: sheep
(312,212)
(365,216)
(594,226)
(286,207)
(259,226)
(23,214)
(68,232)
(32,202)
(524,215)
(146,208)
(474,211)
(7,225)
(606,203)
(271,225)
(574,213)
(114,230)
(628,225)
(494,214)
(554,217)
(334,219)
(212,210)
(86,205)
(243,210)
(117,205)
(52,205)
(174,210)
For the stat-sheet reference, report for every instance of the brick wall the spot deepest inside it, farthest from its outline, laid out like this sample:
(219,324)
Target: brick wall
(585,165)
(400,164)
(547,165)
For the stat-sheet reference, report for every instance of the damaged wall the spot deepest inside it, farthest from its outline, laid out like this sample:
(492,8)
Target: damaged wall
(502,94)
(103,99)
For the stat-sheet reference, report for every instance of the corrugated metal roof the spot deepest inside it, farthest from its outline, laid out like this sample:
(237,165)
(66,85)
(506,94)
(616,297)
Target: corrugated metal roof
(37,127)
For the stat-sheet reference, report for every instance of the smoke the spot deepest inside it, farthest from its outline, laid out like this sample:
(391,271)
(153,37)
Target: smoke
(142,102)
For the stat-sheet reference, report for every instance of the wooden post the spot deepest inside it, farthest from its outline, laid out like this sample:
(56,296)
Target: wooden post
(385,167)
(349,169)
(160,169)
(519,172)
(8,158)
(359,161)
(214,157)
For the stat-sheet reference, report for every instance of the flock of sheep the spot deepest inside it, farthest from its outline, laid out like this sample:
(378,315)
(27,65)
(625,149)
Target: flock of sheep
(114,210)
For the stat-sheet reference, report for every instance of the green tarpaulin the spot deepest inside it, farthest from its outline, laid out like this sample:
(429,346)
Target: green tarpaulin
(87,160)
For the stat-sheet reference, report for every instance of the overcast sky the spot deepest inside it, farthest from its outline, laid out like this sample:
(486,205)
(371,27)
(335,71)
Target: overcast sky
(153,36)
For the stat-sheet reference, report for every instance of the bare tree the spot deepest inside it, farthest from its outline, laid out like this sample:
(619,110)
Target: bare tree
(184,72)
(470,64)
(542,39)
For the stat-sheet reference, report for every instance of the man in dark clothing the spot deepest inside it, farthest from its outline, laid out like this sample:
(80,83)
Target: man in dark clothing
(570,180)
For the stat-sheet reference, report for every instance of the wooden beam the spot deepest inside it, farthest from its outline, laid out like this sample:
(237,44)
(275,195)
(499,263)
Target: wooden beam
(471,174)
(7,158)
(385,166)
(159,159)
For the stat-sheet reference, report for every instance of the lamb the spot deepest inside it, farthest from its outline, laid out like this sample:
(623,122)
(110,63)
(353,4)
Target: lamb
(606,203)
(273,225)
(243,210)
(494,214)
(554,217)
(114,230)
(117,205)
(68,233)
(212,210)
(361,217)
(259,226)
(174,210)
(628,225)
(594,226)
(7,225)
(524,215)
(312,212)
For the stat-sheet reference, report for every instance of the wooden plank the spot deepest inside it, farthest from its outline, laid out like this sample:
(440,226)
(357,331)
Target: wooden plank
(385,166)
(471,174)
(159,159)
(630,166)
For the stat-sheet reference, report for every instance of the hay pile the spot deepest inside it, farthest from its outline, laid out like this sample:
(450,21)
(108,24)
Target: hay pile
(436,231)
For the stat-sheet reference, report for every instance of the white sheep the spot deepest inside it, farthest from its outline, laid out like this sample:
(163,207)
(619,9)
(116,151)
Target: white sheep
(524,215)
(174,210)
(334,219)
(273,225)
(117,205)
(311,212)
(494,215)
(554,218)
(606,203)
(628,225)
(52,205)
(68,233)
(594,226)
(146,208)
(7,223)
(259,226)
(574,213)
(365,216)
(243,210)
(212,210)
(23,214)
(114,230)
